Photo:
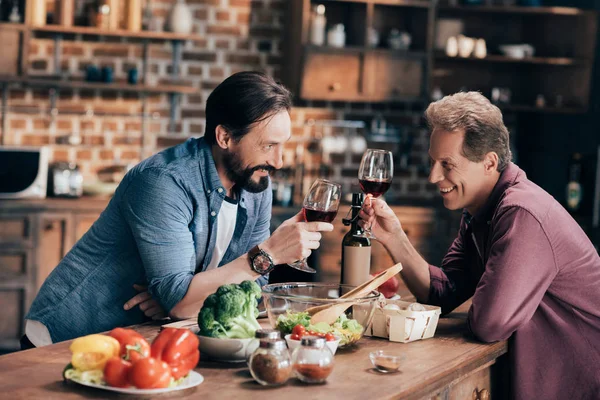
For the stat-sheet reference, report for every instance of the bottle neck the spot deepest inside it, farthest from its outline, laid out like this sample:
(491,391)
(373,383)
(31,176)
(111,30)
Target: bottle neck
(355,228)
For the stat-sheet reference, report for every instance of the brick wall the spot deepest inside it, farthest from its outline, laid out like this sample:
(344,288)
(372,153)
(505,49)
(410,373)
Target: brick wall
(237,35)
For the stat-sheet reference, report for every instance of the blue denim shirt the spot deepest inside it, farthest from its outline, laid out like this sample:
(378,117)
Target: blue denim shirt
(159,229)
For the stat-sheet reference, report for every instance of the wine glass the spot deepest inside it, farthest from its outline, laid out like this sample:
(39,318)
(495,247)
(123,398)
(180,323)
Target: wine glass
(320,204)
(375,177)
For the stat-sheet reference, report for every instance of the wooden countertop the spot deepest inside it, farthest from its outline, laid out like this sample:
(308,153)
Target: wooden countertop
(99,203)
(430,364)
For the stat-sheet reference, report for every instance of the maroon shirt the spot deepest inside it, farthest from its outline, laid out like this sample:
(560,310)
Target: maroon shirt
(535,278)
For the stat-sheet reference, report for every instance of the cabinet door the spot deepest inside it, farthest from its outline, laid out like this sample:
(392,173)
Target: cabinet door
(332,76)
(391,76)
(54,243)
(16,230)
(83,223)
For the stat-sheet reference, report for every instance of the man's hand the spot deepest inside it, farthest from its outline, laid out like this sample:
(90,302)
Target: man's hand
(294,239)
(384,223)
(147,304)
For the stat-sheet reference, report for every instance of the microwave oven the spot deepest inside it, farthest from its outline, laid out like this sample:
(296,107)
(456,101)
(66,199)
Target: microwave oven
(23,172)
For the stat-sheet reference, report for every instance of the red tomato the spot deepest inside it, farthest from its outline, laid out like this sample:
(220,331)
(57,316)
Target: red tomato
(299,330)
(133,345)
(389,287)
(116,372)
(150,373)
(295,337)
(329,337)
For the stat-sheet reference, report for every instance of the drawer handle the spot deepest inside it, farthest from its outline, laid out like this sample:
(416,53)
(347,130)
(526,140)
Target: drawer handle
(482,394)
(334,87)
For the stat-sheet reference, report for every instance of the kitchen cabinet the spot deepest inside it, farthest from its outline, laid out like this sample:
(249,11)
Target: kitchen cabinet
(34,236)
(361,70)
(556,79)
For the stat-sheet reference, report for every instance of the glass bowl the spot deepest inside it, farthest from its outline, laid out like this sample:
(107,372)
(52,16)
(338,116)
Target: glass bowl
(284,301)
(385,361)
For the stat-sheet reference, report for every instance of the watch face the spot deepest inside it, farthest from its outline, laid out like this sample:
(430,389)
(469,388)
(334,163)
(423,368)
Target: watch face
(262,263)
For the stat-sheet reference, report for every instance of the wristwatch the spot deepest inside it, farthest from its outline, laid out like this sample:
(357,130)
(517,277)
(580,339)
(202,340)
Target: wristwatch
(260,261)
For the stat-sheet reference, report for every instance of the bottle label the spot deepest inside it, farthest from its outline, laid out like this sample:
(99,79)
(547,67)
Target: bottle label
(357,265)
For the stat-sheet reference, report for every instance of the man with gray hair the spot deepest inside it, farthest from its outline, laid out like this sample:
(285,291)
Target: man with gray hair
(532,273)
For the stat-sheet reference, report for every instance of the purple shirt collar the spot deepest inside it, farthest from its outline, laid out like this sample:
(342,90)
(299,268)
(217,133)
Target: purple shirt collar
(507,179)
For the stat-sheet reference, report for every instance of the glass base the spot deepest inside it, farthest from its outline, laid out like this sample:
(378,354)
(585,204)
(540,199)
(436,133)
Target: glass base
(301,265)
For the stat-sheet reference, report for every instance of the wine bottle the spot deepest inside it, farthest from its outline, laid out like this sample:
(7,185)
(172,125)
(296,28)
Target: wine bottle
(356,251)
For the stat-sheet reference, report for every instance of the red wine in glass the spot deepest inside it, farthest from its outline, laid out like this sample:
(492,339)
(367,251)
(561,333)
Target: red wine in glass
(311,215)
(374,187)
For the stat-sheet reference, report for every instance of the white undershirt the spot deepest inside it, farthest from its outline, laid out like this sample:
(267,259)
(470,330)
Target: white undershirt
(225,227)
(38,334)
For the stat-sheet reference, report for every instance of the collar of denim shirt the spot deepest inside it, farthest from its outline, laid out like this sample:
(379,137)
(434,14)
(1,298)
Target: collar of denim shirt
(211,181)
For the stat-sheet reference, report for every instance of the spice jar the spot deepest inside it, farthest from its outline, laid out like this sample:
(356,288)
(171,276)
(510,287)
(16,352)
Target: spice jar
(312,361)
(270,363)
(258,336)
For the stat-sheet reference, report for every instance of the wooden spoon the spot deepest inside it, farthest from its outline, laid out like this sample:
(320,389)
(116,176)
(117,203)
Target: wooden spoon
(329,313)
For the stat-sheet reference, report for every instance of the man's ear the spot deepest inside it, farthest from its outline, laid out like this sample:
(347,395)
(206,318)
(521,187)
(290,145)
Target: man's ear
(222,137)
(490,162)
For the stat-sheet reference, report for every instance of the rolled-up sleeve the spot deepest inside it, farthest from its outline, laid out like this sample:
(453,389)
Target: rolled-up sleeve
(261,230)
(452,284)
(158,211)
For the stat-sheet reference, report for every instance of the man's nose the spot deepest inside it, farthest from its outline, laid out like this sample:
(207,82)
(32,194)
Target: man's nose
(435,174)
(277,161)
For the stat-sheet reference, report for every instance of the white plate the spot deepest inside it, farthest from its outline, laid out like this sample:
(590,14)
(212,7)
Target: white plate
(193,379)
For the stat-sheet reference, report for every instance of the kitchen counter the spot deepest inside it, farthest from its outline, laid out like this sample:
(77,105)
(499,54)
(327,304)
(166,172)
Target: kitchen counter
(451,365)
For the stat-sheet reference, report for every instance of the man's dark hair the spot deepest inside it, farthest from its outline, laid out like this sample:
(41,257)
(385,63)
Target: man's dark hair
(242,100)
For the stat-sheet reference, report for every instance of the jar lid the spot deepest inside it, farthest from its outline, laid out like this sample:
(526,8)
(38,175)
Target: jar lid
(275,344)
(267,334)
(313,341)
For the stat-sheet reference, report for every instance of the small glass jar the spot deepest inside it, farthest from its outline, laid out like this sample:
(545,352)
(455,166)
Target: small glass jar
(312,361)
(270,364)
(258,336)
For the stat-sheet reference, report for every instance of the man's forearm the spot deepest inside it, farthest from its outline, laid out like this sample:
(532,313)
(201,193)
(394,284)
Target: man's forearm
(415,270)
(205,283)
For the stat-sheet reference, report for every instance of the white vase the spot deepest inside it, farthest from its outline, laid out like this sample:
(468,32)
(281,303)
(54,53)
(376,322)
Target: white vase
(180,19)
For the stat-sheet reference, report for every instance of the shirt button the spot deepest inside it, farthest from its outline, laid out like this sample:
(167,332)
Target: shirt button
(213,213)
(220,190)
(208,191)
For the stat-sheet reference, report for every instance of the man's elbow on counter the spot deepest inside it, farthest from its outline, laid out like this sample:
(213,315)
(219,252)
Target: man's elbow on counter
(488,330)
(178,313)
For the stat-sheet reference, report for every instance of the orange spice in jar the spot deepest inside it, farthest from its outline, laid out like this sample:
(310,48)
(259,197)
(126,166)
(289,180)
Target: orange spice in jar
(312,360)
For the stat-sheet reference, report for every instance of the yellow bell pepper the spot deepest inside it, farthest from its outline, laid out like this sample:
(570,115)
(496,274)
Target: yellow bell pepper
(93,351)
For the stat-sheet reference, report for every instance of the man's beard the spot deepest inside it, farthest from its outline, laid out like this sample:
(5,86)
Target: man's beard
(242,177)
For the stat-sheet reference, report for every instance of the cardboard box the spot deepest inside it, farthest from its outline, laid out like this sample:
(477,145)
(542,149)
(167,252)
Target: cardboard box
(404,325)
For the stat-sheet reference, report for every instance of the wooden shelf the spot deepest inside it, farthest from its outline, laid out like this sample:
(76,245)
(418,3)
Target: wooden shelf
(11,26)
(361,49)
(520,10)
(556,110)
(114,87)
(406,3)
(558,61)
(83,30)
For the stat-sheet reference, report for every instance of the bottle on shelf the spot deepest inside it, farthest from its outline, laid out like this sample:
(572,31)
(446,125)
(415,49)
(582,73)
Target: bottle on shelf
(317,25)
(574,187)
(356,251)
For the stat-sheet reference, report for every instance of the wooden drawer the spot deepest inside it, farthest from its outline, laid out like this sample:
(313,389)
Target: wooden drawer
(392,77)
(331,77)
(477,386)
(14,263)
(16,230)
(12,313)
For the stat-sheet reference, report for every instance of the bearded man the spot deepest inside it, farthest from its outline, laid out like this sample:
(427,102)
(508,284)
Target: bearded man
(182,223)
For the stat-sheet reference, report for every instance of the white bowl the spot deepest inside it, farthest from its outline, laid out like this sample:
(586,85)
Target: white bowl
(292,344)
(229,350)
(517,51)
